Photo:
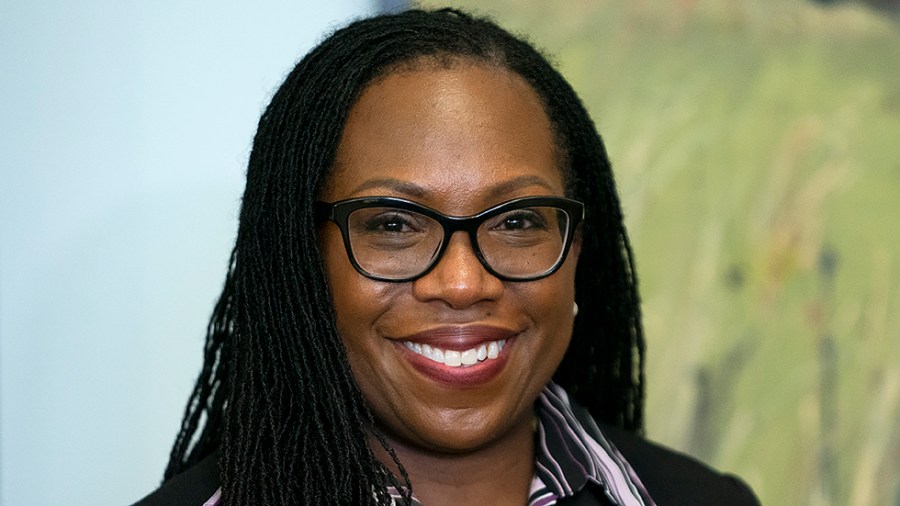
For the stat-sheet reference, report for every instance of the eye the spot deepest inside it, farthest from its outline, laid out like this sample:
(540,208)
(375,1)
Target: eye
(519,220)
(393,222)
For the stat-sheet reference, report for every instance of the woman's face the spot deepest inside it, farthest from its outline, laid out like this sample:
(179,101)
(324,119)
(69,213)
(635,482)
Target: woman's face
(458,140)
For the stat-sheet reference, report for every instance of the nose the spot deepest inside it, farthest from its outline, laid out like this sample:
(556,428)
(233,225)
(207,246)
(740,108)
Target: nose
(458,279)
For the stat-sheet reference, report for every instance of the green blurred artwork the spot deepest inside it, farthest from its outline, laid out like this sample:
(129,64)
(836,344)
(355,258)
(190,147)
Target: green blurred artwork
(757,151)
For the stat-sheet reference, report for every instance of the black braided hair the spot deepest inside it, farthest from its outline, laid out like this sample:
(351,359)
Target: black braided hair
(276,397)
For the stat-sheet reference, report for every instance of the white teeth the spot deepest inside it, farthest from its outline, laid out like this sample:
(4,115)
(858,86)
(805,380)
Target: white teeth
(453,358)
(493,350)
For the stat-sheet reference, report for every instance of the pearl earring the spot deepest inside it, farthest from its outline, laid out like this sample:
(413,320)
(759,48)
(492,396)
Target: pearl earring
(574,309)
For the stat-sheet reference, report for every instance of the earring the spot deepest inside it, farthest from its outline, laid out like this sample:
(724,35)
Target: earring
(574,309)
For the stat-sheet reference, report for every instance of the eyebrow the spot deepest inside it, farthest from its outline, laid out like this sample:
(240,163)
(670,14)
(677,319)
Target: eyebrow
(416,191)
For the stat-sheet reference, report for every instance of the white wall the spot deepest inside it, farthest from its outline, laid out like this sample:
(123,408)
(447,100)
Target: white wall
(124,133)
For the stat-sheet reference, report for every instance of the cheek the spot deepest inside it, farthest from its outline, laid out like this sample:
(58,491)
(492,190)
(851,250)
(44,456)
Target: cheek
(557,292)
(559,299)
(358,301)
(351,293)
(549,304)
(347,286)
(358,304)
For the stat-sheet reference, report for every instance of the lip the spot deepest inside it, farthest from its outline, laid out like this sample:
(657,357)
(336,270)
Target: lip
(459,338)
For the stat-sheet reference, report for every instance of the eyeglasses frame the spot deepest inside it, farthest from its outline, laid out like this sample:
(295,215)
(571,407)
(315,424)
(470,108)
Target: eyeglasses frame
(339,213)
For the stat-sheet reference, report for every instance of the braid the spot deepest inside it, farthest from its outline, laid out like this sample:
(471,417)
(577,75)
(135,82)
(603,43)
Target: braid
(603,367)
(276,396)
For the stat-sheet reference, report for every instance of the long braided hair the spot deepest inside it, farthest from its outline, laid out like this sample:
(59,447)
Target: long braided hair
(276,397)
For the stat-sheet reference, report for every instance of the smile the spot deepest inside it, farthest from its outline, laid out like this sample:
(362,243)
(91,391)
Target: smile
(453,358)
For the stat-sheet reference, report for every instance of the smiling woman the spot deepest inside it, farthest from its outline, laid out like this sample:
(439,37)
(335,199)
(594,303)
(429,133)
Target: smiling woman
(460,137)
(426,201)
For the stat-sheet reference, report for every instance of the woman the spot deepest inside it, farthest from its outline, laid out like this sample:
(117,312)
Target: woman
(428,205)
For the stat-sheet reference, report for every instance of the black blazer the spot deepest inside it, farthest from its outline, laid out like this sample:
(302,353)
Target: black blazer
(676,479)
(673,479)
(193,487)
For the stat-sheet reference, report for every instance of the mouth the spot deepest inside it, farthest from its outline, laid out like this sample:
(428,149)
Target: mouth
(453,358)
(458,357)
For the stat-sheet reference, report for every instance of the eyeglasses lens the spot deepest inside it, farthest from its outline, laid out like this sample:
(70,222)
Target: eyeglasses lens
(393,243)
(524,242)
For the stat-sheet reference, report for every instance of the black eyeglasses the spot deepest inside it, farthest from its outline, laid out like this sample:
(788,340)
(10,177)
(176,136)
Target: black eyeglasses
(394,239)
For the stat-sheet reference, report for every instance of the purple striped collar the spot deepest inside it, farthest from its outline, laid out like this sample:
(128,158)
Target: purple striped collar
(571,451)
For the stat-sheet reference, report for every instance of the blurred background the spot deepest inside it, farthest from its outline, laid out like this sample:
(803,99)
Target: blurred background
(757,151)
(124,136)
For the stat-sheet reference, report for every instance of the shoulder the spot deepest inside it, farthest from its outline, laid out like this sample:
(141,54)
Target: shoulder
(193,487)
(627,465)
(674,478)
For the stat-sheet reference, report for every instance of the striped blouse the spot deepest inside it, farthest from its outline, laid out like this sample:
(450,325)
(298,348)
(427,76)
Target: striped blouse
(573,460)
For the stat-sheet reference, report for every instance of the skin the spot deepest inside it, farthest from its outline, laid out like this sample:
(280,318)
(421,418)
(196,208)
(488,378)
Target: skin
(458,139)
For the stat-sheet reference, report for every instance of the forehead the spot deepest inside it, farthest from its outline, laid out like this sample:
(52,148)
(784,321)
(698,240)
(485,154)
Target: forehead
(460,129)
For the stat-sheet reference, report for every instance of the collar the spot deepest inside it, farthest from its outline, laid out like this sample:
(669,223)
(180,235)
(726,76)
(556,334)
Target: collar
(571,451)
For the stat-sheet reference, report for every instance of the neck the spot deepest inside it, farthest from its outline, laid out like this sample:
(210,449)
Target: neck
(499,473)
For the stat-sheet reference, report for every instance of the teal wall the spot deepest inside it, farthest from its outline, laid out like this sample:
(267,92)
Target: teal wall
(124,134)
